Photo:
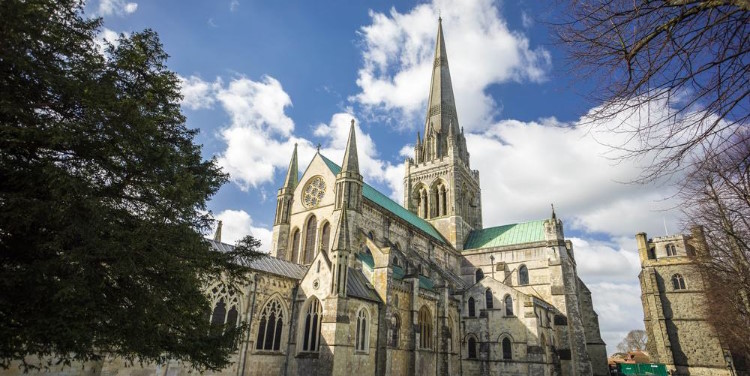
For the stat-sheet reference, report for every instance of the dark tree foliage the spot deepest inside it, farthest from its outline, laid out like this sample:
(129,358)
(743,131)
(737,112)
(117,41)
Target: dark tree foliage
(101,195)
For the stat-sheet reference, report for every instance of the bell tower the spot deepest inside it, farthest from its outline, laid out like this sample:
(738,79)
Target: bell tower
(439,184)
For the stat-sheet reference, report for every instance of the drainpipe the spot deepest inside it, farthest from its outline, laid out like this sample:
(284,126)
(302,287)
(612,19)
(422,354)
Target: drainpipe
(438,339)
(462,323)
(291,321)
(249,323)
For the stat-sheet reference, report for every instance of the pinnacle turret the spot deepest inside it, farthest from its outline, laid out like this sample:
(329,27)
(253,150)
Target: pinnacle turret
(351,162)
(292,176)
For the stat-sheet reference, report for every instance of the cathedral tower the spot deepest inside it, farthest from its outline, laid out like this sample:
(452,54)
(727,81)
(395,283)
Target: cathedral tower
(439,185)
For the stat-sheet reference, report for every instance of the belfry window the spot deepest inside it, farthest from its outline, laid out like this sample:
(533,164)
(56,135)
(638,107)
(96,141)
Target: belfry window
(671,250)
(271,326)
(678,283)
(311,329)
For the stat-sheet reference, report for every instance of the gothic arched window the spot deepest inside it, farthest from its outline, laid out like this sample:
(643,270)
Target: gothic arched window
(362,333)
(671,250)
(271,326)
(311,329)
(425,328)
(443,200)
(488,299)
(523,275)
(395,329)
(678,283)
(479,274)
(508,305)
(219,314)
(472,348)
(325,236)
(295,246)
(472,307)
(507,348)
(222,298)
(311,229)
(423,207)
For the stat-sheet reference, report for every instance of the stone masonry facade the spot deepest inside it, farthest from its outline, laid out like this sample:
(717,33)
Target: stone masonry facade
(674,306)
(357,284)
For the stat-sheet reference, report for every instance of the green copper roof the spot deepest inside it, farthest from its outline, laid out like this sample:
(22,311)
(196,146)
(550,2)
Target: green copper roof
(517,233)
(398,273)
(424,282)
(366,259)
(386,203)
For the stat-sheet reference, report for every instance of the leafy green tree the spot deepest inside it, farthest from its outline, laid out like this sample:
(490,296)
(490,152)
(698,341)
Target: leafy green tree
(102,199)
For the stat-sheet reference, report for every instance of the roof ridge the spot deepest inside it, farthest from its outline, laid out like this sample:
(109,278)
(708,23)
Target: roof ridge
(369,190)
(511,224)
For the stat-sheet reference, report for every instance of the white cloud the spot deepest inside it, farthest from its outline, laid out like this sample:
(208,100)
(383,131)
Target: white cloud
(115,7)
(259,137)
(482,50)
(619,308)
(236,224)
(233,5)
(105,38)
(602,262)
(526,166)
(198,94)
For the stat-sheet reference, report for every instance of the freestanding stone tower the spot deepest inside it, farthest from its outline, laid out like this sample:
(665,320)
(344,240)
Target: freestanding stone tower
(674,306)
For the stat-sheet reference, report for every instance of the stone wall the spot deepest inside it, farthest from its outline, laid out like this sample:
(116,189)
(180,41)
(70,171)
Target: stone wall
(675,318)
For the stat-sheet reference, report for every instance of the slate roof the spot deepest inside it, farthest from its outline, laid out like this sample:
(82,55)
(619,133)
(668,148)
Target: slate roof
(358,286)
(386,203)
(267,263)
(517,233)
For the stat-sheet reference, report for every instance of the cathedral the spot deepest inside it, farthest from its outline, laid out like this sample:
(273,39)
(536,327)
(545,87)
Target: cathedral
(358,284)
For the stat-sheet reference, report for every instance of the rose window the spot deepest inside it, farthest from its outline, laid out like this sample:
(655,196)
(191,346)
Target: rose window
(314,192)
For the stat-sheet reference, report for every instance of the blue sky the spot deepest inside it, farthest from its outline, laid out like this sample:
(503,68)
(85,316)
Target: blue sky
(261,76)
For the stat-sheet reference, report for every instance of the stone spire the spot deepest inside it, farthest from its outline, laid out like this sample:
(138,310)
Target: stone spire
(286,192)
(441,114)
(217,234)
(351,162)
(340,255)
(349,181)
(292,175)
(342,239)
